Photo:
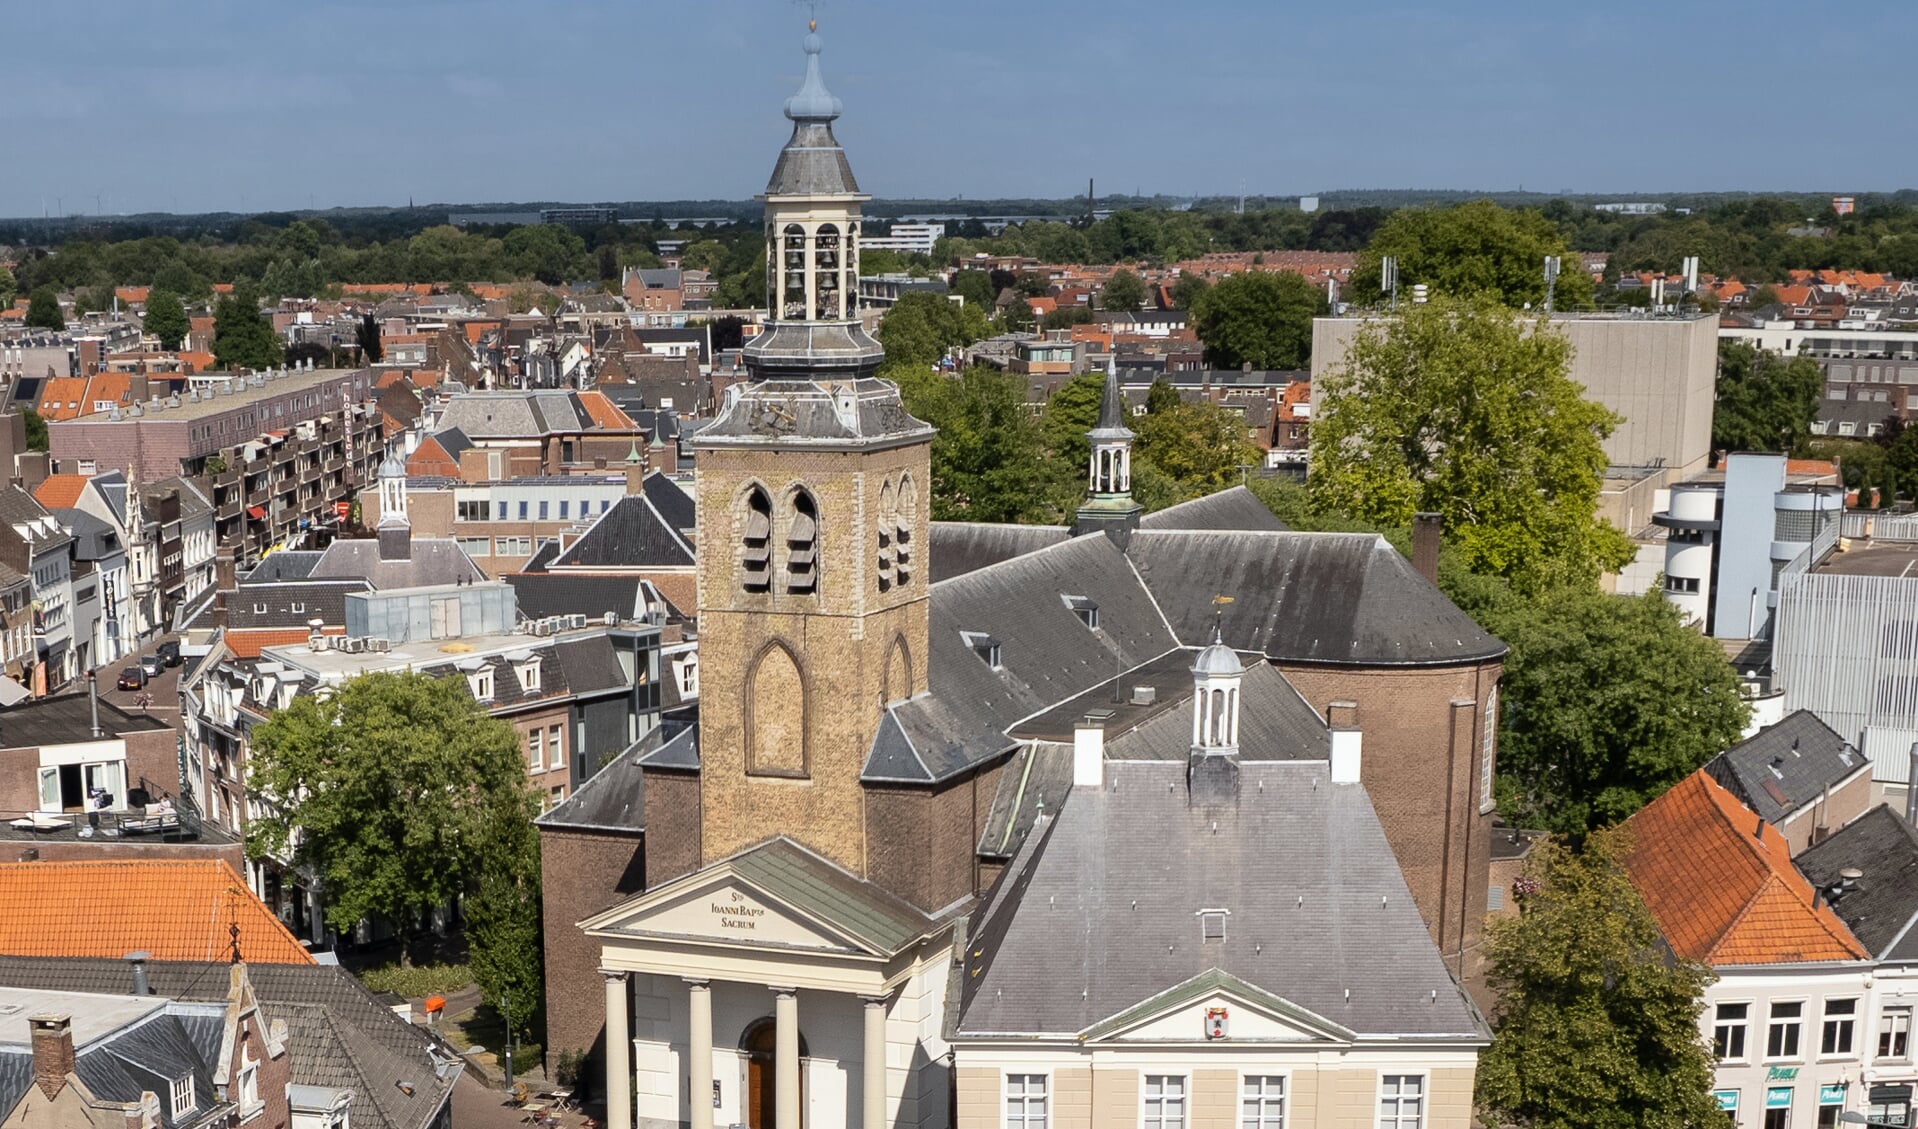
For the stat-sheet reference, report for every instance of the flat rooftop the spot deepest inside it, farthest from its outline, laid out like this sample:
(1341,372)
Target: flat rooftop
(1869,558)
(333,666)
(244,392)
(94,1015)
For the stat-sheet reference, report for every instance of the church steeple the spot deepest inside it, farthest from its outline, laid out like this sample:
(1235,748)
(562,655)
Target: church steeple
(1109,505)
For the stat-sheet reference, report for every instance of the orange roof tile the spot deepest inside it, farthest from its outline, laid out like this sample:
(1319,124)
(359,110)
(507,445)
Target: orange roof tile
(1811,466)
(1721,883)
(1042,306)
(61,398)
(197,361)
(248,642)
(1793,295)
(605,413)
(136,295)
(176,909)
(60,491)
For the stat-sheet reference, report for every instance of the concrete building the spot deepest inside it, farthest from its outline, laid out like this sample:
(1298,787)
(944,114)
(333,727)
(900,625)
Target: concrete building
(907,238)
(1871,372)
(502,524)
(1732,533)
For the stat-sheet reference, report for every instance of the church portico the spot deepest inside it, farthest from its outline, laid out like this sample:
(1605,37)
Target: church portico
(826,1013)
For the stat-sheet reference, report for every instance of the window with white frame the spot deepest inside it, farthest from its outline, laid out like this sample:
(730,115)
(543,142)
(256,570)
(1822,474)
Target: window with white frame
(1781,1032)
(529,675)
(1728,1030)
(536,749)
(1836,1038)
(1263,1104)
(481,683)
(556,746)
(1164,1101)
(1402,1101)
(249,1081)
(182,1096)
(1026,1101)
(1894,1033)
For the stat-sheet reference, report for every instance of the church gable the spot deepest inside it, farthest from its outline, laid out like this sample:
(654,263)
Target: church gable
(723,910)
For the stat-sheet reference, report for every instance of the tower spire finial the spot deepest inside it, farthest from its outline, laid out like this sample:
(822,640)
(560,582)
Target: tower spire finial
(813,102)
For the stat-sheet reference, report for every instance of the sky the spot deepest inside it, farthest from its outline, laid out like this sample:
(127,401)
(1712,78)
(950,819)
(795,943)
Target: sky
(123,106)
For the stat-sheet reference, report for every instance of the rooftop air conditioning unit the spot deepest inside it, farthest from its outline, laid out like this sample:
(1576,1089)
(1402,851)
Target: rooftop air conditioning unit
(575,621)
(1144,695)
(380,645)
(612,619)
(355,646)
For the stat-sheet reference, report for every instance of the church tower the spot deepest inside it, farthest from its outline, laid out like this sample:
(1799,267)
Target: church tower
(811,491)
(1109,506)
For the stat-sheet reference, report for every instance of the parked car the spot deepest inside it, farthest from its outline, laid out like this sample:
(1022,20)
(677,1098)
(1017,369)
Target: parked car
(169,652)
(152,665)
(133,678)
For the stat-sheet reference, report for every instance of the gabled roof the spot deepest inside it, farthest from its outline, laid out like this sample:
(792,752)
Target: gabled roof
(958,547)
(631,534)
(1721,883)
(1788,766)
(1879,903)
(61,491)
(1236,508)
(176,909)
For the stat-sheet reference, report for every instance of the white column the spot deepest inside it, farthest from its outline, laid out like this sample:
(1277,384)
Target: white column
(873,1070)
(786,1058)
(699,1051)
(619,1053)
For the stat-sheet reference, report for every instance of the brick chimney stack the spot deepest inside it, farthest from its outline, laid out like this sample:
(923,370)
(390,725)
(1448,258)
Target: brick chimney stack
(52,1052)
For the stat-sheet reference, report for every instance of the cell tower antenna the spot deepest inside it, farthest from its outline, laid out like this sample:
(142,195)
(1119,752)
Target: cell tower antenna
(1241,195)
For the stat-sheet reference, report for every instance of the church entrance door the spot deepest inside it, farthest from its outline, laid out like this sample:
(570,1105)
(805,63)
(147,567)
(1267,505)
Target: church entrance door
(761,1043)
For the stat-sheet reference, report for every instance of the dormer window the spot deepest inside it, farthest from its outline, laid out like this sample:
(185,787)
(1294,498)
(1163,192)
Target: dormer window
(985,646)
(802,546)
(756,543)
(481,683)
(1085,609)
(1212,924)
(182,1096)
(528,676)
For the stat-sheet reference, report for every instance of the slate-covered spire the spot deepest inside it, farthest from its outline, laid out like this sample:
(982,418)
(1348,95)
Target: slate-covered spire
(1109,505)
(1111,407)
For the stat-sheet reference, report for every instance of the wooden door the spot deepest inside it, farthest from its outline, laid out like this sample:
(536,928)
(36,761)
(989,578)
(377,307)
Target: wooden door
(762,1096)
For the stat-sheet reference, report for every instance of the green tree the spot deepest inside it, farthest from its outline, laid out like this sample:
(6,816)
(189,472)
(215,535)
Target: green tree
(43,310)
(179,278)
(1200,446)
(1761,297)
(547,252)
(1464,408)
(1017,317)
(976,287)
(7,287)
(166,318)
(242,338)
(1766,402)
(1473,249)
(36,430)
(1261,318)
(1597,1024)
(1188,290)
(921,326)
(1901,459)
(988,461)
(1123,291)
(1065,317)
(503,923)
(1608,701)
(404,794)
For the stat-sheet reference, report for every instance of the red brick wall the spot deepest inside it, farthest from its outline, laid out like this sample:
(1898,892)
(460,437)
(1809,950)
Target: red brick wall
(672,825)
(581,873)
(1420,765)
(922,843)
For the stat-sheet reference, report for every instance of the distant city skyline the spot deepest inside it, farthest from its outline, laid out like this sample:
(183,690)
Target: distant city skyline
(123,108)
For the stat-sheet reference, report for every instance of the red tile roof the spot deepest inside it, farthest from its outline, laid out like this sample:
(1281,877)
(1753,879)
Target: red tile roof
(1721,883)
(248,642)
(176,909)
(605,413)
(60,491)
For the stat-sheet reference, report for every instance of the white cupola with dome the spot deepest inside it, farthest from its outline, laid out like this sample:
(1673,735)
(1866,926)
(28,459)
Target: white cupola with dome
(1216,675)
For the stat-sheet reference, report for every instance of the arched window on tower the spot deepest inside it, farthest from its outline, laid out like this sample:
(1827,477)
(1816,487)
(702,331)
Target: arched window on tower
(802,546)
(888,506)
(792,296)
(756,543)
(903,515)
(826,272)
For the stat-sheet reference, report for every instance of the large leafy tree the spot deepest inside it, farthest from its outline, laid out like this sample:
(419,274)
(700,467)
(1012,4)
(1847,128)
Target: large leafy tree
(400,795)
(166,318)
(1123,291)
(1464,408)
(7,287)
(1200,446)
(43,310)
(1766,401)
(988,460)
(1607,702)
(921,326)
(503,922)
(976,287)
(1473,249)
(1261,318)
(1597,1024)
(242,337)
(549,253)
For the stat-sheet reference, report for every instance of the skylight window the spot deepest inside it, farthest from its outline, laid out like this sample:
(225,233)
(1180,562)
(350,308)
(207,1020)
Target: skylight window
(985,646)
(1084,608)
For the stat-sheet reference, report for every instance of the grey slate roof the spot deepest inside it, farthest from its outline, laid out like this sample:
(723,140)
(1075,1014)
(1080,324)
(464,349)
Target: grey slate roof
(288,564)
(839,897)
(812,164)
(1048,654)
(632,533)
(859,413)
(958,547)
(65,719)
(589,665)
(434,560)
(340,1036)
(94,540)
(317,599)
(1094,918)
(1236,508)
(1787,766)
(1881,907)
(552,593)
(1306,597)
(614,798)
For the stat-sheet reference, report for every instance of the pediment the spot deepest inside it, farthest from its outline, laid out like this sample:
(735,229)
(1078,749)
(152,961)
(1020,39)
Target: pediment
(722,909)
(1187,1013)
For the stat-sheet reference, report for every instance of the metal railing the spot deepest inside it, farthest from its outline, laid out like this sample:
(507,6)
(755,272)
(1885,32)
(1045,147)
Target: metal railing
(1882,527)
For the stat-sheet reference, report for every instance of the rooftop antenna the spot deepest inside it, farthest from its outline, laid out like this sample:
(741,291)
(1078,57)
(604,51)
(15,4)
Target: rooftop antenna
(1551,280)
(1389,278)
(1241,195)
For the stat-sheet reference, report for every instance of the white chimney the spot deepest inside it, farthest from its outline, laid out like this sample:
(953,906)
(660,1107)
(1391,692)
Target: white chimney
(1089,754)
(1345,756)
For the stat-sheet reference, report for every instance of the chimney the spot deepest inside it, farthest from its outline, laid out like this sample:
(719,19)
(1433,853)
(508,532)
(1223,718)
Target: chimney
(1089,752)
(1345,754)
(1426,531)
(136,387)
(52,1052)
(139,962)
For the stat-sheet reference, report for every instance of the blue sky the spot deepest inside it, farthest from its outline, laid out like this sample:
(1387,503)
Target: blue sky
(207,104)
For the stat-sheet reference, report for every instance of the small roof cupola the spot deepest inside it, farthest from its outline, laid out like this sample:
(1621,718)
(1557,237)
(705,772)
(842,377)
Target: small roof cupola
(395,531)
(1212,773)
(1109,506)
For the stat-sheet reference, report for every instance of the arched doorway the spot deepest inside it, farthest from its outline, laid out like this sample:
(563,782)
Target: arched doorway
(761,1044)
